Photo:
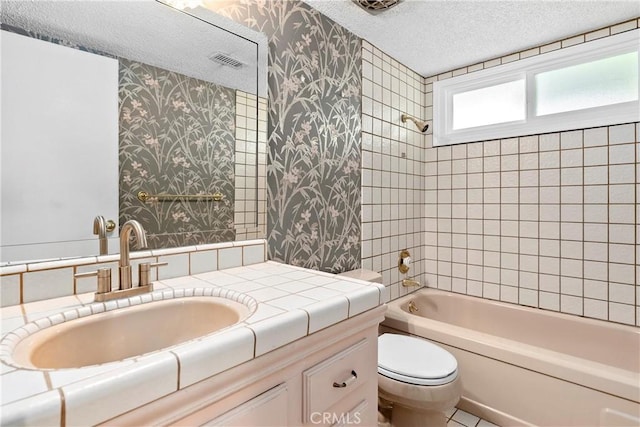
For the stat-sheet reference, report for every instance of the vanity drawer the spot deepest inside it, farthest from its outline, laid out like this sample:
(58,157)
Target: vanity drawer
(337,377)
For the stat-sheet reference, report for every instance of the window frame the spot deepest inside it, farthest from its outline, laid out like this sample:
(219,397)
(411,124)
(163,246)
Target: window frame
(528,68)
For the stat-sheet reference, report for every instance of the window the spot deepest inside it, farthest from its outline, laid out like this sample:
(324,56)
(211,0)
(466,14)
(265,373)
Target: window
(500,103)
(588,85)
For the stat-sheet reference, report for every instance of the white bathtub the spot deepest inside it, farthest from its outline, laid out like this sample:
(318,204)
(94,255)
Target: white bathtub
(525,366)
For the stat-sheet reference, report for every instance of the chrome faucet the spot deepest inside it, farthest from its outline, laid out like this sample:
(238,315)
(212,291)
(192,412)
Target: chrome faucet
(141,242)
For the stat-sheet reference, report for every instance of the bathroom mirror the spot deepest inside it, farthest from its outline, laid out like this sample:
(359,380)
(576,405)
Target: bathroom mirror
(191,123)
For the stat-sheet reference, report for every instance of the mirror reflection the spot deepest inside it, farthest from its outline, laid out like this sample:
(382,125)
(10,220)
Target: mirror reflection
(179,113)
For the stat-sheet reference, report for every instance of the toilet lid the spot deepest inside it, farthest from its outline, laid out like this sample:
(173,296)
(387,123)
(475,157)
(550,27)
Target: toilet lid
(415,361)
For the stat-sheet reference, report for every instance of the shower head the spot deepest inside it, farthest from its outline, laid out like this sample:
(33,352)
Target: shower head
(422,126)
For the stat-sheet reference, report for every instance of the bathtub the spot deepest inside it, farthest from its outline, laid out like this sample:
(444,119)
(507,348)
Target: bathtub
(525,366)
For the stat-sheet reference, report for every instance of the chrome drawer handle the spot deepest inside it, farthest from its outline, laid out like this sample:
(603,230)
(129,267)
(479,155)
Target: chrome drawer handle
(348,381)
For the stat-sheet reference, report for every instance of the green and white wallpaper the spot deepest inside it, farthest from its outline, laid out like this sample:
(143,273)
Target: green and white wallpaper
(177,136)
(313,171)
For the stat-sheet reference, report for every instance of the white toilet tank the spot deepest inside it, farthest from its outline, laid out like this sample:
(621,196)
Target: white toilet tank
(363,274)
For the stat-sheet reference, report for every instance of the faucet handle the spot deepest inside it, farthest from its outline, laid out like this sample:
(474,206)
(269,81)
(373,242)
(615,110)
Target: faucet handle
(144,272)
(104,279)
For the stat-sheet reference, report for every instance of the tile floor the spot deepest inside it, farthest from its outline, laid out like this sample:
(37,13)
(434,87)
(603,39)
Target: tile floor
(460,418)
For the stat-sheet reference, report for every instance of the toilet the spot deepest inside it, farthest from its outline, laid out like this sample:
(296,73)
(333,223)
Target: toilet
(417,379)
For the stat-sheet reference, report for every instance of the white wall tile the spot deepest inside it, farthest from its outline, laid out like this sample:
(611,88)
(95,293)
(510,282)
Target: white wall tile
(622,293)
(253,254)
(571,194)
(622,174)
(596,194)
(528,297)
(549,247)
(596,289)
(624,254)
(621,233)
(9,290)
(624,153)
(622,134)
(622,273)
(47,284)
(521,204)
(621,313)
(549,283)
(622,193)
(203,261)
(571,304)
(625,26)
(596,175)
(178,265)
(229,258)
(573,41)
(596,213)
(549,265)
(549,301)
(596,309)
(597,34)
(571,139)
(550,177)
(596,137)
(549,142)
(622,214)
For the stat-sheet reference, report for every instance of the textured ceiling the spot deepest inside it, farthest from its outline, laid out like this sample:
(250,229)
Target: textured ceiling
(434,36)
(150,32)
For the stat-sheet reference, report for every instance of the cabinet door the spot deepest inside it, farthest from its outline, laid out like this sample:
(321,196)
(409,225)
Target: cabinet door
(337,378)
(266,409)
(356,416)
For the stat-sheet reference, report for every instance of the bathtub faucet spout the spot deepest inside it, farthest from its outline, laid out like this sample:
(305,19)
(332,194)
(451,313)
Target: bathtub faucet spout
(410,282)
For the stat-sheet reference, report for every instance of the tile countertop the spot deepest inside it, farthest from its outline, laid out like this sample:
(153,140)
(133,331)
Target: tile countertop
(292,302)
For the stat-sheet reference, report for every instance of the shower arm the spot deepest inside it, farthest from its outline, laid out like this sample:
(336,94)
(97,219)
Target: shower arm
(420,124)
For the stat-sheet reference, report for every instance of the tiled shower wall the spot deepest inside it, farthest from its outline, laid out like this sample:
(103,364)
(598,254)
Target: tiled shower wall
(548,221)
(250,210)
(392,168)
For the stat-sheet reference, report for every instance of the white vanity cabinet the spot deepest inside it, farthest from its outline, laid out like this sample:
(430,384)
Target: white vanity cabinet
(268,409)
(290,386)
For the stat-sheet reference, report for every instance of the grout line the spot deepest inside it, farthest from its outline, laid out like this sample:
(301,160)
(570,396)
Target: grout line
(63,408)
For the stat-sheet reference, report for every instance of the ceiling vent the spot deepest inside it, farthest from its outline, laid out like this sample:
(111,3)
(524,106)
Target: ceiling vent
(376,5)
(226,60)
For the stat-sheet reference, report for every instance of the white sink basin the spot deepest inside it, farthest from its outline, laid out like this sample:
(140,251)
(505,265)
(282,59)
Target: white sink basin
(128,332)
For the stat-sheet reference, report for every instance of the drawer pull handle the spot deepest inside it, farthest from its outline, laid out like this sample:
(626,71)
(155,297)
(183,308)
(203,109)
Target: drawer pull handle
(348,381)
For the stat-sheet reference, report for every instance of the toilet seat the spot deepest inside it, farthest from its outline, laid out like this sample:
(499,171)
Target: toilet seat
(415,361)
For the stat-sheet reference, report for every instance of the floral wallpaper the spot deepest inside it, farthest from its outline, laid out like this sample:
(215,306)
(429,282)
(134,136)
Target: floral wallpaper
(177,136)
(313,173)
